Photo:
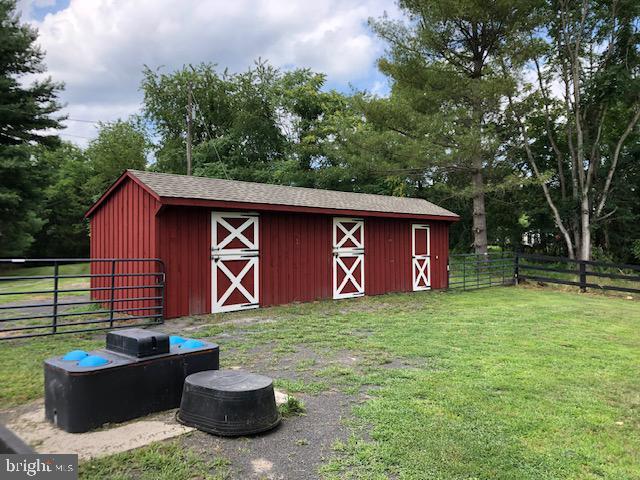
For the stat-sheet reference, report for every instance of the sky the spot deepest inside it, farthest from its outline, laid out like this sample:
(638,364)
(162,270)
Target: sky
(99,47)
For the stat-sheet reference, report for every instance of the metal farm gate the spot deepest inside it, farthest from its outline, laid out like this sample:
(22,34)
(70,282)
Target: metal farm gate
(471,271)
(41,297)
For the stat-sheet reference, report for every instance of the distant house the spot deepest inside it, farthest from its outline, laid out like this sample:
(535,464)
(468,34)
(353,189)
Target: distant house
(230,245)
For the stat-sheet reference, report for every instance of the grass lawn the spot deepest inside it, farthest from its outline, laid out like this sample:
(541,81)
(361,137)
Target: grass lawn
(10,289)
(506,383)
(160,461)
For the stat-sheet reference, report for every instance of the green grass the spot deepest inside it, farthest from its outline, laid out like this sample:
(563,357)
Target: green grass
(11,288)
(158,461)
(292,407)
(21,371)
(501,383)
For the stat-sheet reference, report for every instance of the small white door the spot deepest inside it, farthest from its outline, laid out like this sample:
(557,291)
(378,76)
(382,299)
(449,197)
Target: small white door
(348,257)
(234,261)
(421,257)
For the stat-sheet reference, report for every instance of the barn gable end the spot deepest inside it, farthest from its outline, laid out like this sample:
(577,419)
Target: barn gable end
(125,225)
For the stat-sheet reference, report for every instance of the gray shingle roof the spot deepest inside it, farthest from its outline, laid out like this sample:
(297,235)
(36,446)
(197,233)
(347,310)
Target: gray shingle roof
(202,188)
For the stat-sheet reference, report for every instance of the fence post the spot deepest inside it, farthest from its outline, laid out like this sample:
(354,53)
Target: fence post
(163,281)
(583,276)
(516,267)
(448,271)
(54,320)
(464,273)
(113,285)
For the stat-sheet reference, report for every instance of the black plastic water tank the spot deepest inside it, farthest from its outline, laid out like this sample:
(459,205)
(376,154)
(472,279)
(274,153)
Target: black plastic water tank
(84,390)
(229,403)
(138,342)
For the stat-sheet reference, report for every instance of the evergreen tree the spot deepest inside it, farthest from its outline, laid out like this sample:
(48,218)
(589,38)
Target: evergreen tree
(448,94)
(25,116)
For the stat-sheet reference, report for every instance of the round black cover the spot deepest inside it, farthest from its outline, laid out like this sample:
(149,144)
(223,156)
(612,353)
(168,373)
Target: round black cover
(228,402)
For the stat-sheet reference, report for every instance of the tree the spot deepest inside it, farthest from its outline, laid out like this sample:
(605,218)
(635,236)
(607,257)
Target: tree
(577,140)
(448,93)
(120,145)
(234,132)
(262,125)
(66,199)
(25,117)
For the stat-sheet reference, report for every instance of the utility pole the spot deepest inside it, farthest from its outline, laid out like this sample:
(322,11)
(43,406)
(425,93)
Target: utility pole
(189,125)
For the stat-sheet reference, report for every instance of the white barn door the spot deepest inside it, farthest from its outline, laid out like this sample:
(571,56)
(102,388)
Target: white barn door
(234,261)
(348,257)
(421,257)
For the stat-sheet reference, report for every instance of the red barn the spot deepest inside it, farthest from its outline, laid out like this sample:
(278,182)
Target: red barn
(230,245)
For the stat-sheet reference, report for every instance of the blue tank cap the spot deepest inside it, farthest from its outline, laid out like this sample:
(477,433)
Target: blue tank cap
(175,340)
(192,344)
(75,355)
(93,361)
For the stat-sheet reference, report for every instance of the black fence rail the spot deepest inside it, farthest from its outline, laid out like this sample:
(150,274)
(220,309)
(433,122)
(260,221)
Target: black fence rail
(41,297)
(471,271)
(583,274)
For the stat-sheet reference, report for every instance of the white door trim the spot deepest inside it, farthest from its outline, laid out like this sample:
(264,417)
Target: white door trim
(341,252)
(220,255)
(420,264)
(218,248)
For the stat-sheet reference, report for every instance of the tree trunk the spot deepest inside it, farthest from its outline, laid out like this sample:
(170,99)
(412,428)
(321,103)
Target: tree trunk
(585,232)
(479,214)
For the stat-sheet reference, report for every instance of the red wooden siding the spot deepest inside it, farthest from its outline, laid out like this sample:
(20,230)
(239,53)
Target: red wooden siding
(387,255)
(295,258)
(125,227)
(439,254)
(185,247)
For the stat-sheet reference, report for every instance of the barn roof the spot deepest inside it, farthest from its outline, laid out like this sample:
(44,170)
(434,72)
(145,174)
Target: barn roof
(167,186)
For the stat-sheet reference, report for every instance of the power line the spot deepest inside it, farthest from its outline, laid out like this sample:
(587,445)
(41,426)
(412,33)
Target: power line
(209,134)
(81,120)
(72,135)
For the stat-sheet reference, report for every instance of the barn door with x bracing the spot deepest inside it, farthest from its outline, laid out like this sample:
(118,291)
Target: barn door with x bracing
(234,261)
(421,257)
(348,257)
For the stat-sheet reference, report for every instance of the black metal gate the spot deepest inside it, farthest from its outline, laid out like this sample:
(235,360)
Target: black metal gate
(470,271)
(68,295)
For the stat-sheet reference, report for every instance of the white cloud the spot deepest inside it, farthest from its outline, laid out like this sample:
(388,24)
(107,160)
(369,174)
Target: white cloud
(98,47)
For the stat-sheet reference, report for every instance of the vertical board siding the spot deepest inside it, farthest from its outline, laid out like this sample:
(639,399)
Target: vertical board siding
(387,255)
(296,261)
(121,228)
(185,247)
(388,265)
(295,258)
(439,254)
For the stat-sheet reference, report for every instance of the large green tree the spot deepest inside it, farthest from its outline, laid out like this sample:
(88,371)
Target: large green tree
(119,145)
(25,119)
(66,198)
(262,124)
(577,120)
(448,93)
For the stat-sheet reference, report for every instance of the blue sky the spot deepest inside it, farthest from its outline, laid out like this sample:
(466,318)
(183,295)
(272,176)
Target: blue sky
(98,47)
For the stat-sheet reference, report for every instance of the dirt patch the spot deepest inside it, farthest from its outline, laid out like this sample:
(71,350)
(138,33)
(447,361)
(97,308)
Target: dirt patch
(294,450)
